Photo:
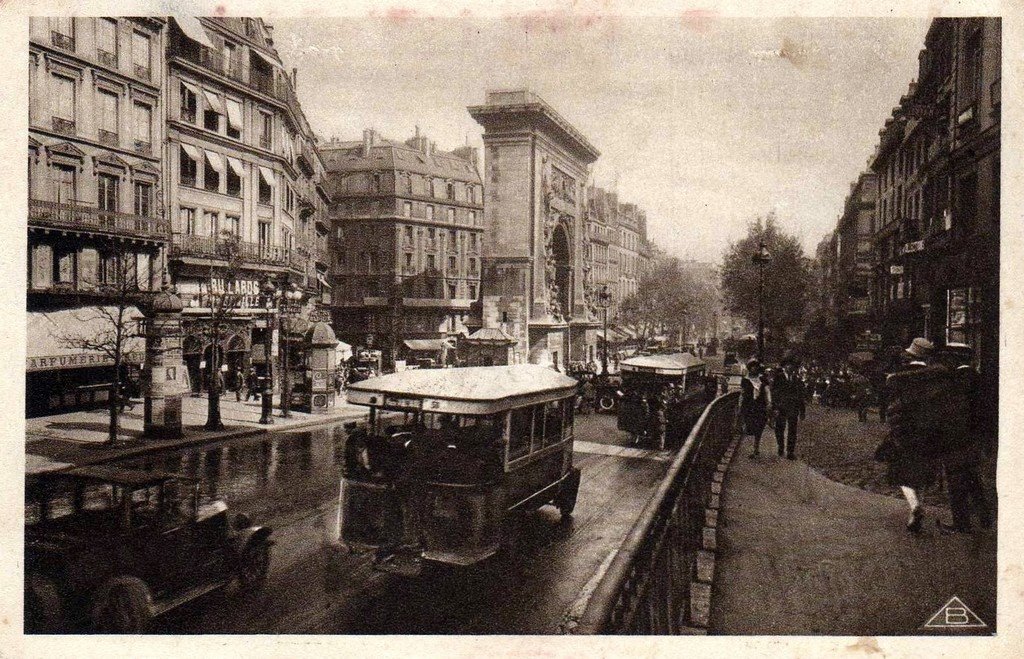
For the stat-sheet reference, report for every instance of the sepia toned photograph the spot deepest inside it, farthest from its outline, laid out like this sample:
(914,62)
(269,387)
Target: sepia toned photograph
(526,324)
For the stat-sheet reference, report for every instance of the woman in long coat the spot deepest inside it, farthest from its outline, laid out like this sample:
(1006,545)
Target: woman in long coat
(754,404)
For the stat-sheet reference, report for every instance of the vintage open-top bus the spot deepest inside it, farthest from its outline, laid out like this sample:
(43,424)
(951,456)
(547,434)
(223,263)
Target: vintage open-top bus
(435,482)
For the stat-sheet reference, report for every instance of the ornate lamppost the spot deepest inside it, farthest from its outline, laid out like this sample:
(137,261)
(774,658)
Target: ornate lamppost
(291,305)
(761,258)
(270,293)
(604,301)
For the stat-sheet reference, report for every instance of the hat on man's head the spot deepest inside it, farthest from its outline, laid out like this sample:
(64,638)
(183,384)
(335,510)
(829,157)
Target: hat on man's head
(920,348)
(790,358)
(753,363)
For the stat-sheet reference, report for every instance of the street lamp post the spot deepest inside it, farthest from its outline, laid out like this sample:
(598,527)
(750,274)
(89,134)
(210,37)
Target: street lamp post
(761,258)
(290,308)
(604,299)
(266,399)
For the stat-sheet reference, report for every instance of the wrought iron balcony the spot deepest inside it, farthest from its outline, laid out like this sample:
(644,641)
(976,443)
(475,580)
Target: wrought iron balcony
(106,58)
(108,137)
(62,41)
(211,60)
(61,125)
(143,147)
(89,218)
(254,253)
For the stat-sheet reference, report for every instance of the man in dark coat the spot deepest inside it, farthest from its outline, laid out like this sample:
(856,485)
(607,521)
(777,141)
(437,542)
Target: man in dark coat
(963,439)
(788,402)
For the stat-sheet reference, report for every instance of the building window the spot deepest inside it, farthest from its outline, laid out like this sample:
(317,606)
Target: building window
(431,235)
(62,32)
(106,41)
(234,109)
(212,168)
(266,192)
(453,240)
(430,212)
(189,103)
(266,130)
(451,216)
(211,219)
(472,241)
(214,108)
(408,261)
(143,128)
(188,168)
(452,291)
(143,199)
(408,235)
(431,262)
(453,264)
(65,182)
(472,267)
(106,108)
(107,193)
(187,220)
(63,104)
(264,234)
(375,183)
(472,294)
(450,191)
(141,54)
(231,61)
(472,218)
(407,209)
(234,177)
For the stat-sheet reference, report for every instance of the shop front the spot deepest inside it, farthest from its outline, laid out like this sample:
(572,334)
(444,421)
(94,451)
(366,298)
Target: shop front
(69,363)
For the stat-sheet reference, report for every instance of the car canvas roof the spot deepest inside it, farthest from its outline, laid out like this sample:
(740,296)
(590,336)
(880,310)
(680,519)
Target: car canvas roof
(469,390)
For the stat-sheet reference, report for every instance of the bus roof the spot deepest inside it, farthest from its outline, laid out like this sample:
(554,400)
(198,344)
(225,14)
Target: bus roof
(675,364)
(469,390)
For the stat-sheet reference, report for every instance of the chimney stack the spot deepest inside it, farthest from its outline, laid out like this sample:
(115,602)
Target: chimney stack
(368,140)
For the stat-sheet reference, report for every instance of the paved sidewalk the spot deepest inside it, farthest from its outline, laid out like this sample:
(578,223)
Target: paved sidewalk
(76,438)
(802,554)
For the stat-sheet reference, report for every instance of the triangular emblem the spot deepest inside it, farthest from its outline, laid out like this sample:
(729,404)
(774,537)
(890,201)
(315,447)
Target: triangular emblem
(954,615)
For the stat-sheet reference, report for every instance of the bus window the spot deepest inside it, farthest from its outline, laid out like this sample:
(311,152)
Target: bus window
(520,432)
(553,422)
(569,415)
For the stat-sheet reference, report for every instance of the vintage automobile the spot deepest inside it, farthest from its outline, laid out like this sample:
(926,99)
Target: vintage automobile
(436,485)
(677,381)
(113,548)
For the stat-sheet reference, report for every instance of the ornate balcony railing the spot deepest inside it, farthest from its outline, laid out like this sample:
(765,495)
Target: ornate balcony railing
(143,147)
(62,41)
(108,137)
(66,126)
(261,81)
(249,252)
(90,218)
(106,58)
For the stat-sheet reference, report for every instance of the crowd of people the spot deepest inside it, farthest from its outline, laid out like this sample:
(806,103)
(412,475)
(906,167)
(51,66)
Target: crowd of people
(928,397)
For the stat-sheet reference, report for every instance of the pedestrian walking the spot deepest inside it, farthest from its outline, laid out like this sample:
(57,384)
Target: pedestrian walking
(754,405)
(787,401)
(589,395)
(907,448)
(251,384)
(860,395)
(964,436)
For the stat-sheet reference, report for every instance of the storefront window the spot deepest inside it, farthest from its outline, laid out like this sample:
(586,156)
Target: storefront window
(963,317)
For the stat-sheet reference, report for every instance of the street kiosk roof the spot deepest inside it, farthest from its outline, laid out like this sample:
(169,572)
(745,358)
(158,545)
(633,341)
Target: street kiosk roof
(675,364)
(470,390)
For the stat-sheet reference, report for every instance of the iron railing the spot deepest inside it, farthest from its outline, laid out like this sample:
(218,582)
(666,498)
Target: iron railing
(62,41)
(646,589)
(249,252)
(76,216)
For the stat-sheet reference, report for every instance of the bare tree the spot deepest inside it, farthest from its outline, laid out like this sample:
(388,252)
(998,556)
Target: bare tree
(223,300)
(110,321)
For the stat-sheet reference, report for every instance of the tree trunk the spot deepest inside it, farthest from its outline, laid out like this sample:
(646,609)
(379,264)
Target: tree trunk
(213,421)
(115,400)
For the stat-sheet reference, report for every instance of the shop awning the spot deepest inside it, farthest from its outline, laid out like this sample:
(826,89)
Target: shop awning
(194,30)
(322,278)
(236,166)
(192,151)
(266,58)
(215,101)
(425,345)
(216,160)
(191,87)
(49,334)
(268,175)
(234,114)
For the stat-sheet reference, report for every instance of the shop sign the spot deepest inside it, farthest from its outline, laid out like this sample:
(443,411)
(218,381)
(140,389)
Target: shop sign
(206,294)
(895,269)
(912,247)
(320,315)
(81,360)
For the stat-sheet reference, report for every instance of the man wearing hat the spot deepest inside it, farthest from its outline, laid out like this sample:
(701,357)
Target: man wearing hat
(788,401)
(909,468)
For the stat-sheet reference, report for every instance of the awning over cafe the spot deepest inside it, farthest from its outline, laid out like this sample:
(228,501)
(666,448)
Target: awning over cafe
(50,334)
(427,345)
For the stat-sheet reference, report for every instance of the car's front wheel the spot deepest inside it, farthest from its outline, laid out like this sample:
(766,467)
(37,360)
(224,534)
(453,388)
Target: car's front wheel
(253,566)
(606,402)
(122,605)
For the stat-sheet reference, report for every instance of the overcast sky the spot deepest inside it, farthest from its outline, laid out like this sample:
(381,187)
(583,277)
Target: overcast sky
(705,123)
